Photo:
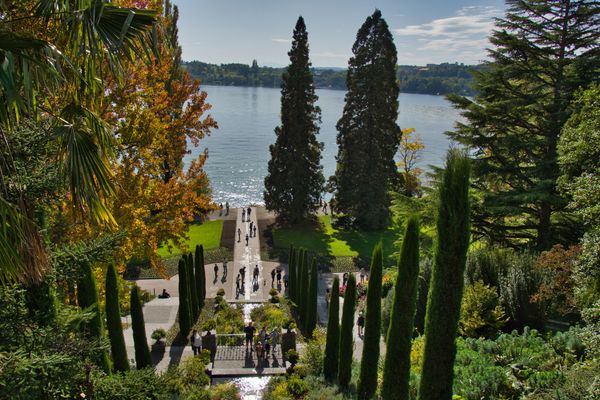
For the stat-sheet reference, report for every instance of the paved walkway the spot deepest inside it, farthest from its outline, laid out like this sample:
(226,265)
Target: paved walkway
(162,313)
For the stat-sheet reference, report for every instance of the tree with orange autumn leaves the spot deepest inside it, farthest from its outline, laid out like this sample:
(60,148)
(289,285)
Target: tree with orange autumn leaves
(155,112)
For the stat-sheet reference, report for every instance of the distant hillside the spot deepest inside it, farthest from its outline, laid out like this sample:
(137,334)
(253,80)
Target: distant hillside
(432,79)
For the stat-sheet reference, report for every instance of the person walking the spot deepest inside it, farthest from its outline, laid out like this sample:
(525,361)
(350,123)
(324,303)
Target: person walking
(362,275)
(226,208)
(262,334)
(254,230)
(278,276)
(243,274)
(220,209)
(243,215)
(249,331)
(272,277)
(239,234)
(267,344)
(255,275)
(224,267)
(246,239)
(285,281)
(251,228)
(238,282)
(274,338)
(248,213)
(344,279)
(196,342)
(360,322)
(216,271)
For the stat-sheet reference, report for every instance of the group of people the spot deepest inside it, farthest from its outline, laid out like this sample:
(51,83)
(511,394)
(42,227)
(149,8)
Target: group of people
(226,209)
(265,344)
(216,269)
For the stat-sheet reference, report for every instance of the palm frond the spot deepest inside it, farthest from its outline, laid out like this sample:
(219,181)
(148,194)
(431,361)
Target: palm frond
(12,235)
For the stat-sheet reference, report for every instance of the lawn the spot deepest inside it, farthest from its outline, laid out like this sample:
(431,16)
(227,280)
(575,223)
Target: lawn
(328,240)
(207,234)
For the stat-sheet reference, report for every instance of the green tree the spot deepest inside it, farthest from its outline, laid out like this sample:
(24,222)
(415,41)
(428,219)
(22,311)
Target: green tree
(367,383)
(291,272)
(347,334)
(579,158)
(294,182)
(140,342)
(184,311)
(41,63)
(200,276)
(332,345)
(447,280)
(396,370)
(193,289)
(311,303)
(367,132)
(113,322)
(87,297)
(543,52)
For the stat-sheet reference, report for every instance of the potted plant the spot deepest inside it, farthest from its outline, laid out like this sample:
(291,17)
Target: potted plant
(158,335)
(274,296)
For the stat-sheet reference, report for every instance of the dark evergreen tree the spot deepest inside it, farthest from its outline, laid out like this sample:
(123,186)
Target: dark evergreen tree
(184,300)
(294,182)
(396,370)
(543,52)
(140,342)
(193,290)
(298,267)
(368,136)
(311,301)
(446,286)
(303,296)
(200,276)
(347,334)
(291,272)
(332,344)
(113,322)
(367,383)
(87,297)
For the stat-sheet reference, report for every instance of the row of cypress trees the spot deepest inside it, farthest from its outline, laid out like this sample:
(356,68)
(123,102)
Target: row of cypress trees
(192,289)
(443,308)
(303,288)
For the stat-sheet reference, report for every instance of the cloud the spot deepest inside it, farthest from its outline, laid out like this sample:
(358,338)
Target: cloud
(281,40)
(462,37)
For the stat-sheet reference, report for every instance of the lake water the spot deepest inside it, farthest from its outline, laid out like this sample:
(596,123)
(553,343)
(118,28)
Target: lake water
(247,116)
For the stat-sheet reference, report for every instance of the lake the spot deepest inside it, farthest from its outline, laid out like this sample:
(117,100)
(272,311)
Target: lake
(238,152)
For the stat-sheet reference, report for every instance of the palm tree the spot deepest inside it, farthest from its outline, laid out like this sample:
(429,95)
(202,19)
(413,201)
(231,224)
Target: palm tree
(65,69)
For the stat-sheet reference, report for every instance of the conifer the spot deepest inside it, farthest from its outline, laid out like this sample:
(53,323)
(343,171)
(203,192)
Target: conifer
(446,287)
(332,344)
(140,341)
(113,322)
(347,334)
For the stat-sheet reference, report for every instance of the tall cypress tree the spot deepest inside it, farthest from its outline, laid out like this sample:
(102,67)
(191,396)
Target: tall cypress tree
(396,370)
(291,272)
(367,383)
(113,322)
(87,297)
(332,344)
(544,51)
(311,303)
(140,341)
(193,289)
(368,136)
(294,182)
(446,287)
(200,276)
(347,334)
(303,297)
(298,267)
(184,300)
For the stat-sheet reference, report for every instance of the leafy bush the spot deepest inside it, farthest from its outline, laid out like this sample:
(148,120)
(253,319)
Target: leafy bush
(386,312)
(229,319)
(481,315)
(225,391)
(296,386)
(221,292)
(158,334)
(135,384)
(272,315)
(314,352)
(387,282)
(477,376)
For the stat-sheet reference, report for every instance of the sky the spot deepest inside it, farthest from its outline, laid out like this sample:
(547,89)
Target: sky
(425,31)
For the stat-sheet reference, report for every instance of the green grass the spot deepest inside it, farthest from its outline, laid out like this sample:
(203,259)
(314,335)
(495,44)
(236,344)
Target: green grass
(327,240)
(208,234)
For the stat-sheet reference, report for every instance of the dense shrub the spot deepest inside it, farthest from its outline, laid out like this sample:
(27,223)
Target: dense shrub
(481,313)
(139,384)
(225,391)
(314,352)
(272,315)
